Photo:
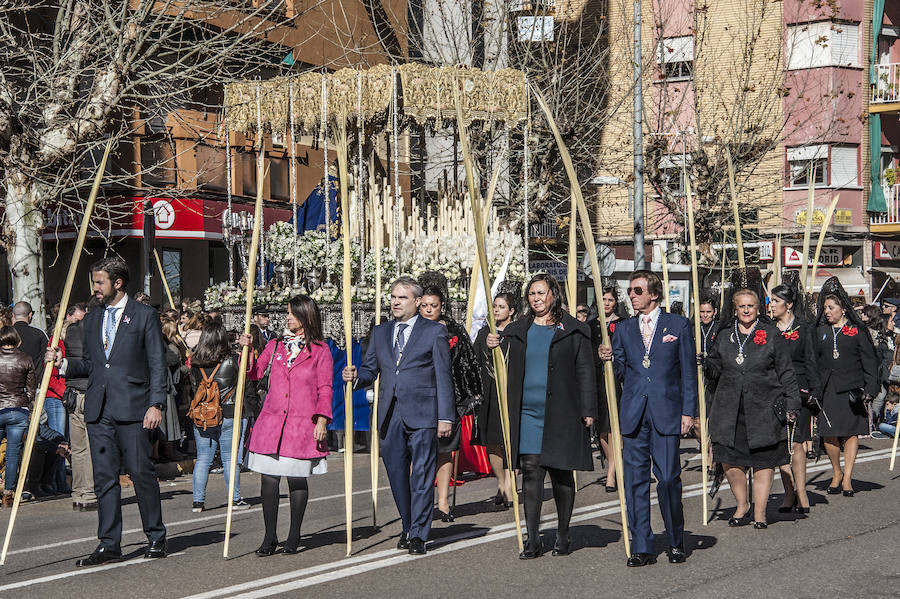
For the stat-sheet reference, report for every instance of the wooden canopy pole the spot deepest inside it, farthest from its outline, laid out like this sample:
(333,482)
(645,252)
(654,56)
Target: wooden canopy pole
(665,269)
(245,351)
(500,371)
(571,275)
(893,449)
(163,277)
(701,387)
(778,259)
(807,230)
(608,376)
(38,406)
(348,327)
(377,231)
(825,222)
(734,207)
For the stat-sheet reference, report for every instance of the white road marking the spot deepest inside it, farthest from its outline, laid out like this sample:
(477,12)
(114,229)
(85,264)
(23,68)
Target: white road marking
(191,521)
(79,572)
(299,579)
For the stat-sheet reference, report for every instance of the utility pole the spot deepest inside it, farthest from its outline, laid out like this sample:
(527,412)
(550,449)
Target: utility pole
(638,134)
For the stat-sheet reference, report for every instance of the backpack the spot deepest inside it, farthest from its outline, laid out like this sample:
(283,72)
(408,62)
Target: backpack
(206,407)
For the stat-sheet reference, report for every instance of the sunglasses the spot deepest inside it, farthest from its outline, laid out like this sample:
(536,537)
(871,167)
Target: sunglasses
(636,290)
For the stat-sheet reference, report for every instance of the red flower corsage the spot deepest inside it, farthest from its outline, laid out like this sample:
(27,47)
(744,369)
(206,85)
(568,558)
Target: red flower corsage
(612,327)
(453,341)
(849,331)
(759,338)
(791,335)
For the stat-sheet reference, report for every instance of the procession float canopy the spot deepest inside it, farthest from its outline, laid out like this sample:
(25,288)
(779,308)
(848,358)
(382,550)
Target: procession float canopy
(414,238)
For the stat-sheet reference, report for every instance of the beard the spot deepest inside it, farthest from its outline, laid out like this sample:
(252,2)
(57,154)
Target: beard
(106,299)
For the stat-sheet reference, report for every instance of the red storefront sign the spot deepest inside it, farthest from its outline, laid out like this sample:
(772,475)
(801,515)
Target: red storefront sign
(176,218)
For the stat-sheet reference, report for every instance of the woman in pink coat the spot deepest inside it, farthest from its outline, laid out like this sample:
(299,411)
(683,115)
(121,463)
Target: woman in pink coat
(288,438)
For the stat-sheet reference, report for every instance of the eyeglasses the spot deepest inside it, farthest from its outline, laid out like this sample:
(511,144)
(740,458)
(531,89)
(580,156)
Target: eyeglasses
(636,290)
(582,311)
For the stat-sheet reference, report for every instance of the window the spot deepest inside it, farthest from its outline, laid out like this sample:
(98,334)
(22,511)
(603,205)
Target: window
(799,161)
(211,173)
(822,44)
(157,162)
(844,166)
(279,178)
(671,169)
(833,166)
(536,29)
(248,173)
(675,56)
(171,266)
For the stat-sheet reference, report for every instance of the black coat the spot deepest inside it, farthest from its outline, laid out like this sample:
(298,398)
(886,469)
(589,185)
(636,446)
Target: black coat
(799,340)
(489,430)
(571,393)
(464,368)
(765,377)
(856,367)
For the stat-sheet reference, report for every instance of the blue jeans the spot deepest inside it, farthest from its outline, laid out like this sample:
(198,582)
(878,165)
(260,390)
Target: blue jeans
(13,426)
(56,419)
(207,442)
(888,429)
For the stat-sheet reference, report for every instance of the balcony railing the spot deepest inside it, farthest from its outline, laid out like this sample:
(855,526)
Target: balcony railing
(892,216)
(547,229)
(886,85)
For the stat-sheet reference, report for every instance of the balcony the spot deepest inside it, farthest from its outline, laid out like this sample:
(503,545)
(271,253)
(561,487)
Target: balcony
(885,88)
(888,222)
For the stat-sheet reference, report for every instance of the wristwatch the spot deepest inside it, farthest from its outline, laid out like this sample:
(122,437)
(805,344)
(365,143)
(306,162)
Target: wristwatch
(159,406)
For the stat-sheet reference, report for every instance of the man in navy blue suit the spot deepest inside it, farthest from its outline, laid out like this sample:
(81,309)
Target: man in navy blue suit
(416,405)
(654,354)
(124,360)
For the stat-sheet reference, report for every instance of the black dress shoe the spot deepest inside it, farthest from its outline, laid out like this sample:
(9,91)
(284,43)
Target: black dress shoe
(101,555)
(416,546)
(562,546)
(403,542)
(801,510)
(498,499)
(760,525)
(609,489)
(677,555)
(742,521)
(532,552)
(289,549)
(640,559)
(267,549)
(847,493)
(156,549)
(835,490)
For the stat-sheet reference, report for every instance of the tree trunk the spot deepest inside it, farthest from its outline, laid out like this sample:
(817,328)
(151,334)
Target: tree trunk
(24,246)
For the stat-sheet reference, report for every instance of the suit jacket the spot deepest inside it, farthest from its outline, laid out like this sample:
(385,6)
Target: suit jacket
(668,389)
(34,343)
(134,377)
(421,382)
(856,367)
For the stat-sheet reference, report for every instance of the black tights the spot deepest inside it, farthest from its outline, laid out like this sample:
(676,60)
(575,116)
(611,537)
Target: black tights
(563,483)
(299,490)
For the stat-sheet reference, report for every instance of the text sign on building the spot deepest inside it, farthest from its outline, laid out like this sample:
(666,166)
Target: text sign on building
(557,268)
(841,217)
(887,250)
(829,256)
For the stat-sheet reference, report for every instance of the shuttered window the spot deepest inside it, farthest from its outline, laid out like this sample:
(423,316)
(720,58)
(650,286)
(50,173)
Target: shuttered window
(822,44)
(675,56)
(844,171)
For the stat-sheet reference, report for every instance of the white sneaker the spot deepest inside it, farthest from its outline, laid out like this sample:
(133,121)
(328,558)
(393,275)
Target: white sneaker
(240,504)
(197,507)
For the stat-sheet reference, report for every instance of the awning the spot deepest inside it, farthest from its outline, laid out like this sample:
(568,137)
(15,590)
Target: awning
(853,282)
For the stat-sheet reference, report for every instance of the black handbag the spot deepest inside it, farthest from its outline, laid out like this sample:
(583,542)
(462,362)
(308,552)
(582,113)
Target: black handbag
(69,399)
(780,408)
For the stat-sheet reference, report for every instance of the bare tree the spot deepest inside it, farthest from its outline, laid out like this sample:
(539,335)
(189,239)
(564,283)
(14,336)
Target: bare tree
(75,72)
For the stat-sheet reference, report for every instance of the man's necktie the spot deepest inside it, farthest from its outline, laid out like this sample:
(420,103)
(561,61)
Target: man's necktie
(109,330)
(646,333)
(400,342)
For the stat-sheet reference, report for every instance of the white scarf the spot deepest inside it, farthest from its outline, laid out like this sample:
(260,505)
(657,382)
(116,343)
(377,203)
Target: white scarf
(294,345)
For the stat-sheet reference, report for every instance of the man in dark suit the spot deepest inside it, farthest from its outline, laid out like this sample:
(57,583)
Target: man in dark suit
(261,319)
(654,354)
(34,340)
(416,405)
(124,360)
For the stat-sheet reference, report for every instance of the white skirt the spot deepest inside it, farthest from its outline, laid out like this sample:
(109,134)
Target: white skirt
(276,465)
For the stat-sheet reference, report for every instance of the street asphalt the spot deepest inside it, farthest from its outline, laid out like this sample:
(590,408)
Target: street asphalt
(846,547)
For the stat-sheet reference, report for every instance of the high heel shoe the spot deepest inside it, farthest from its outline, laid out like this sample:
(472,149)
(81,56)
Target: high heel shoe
(801,510)
(267,549)
(562,547)
(760,525)
(444,516)
(531,552)
(790,508)
(836,490)
(742,521)
(498,498)
(611,489)
(847,493)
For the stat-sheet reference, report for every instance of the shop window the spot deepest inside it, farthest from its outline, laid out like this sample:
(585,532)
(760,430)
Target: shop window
(171,264)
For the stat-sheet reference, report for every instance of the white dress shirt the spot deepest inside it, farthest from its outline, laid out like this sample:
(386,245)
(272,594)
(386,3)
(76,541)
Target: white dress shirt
(120,311)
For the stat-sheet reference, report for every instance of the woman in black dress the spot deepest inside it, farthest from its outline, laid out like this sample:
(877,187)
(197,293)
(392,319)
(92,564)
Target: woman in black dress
(490,432)
(466,373)
(793,320)
(755,382)
(846,362)
(614,313)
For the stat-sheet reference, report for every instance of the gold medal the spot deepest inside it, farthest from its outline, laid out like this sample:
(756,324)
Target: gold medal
(739,359)
(646,361)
